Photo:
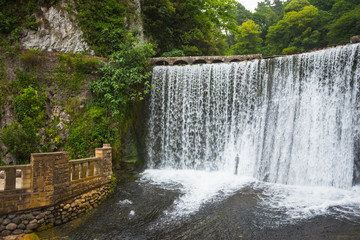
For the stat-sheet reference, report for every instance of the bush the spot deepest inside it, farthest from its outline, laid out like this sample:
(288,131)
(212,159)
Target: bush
(289,50)
(30,104)
(124,78)
(174,53)
(21,139)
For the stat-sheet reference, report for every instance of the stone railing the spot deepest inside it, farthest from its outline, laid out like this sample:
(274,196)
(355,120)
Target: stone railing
(201,59)
(84,169)
(51,178)
(15,177)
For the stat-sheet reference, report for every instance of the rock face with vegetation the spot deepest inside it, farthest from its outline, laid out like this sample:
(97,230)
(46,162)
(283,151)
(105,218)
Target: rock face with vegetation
(57,31)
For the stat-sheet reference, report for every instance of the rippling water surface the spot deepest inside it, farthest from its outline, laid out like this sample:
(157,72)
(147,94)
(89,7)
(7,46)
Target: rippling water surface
(171,204)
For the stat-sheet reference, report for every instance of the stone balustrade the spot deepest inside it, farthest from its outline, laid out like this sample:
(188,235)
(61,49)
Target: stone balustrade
(201,59)
(51,178)
(83,169)
(52,190)
(15,177)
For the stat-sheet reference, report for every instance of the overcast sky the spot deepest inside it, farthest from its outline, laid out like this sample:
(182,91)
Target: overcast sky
(249,4)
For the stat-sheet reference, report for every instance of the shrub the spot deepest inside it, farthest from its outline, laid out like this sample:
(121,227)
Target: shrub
(174,53)
(30,104)
(21,139)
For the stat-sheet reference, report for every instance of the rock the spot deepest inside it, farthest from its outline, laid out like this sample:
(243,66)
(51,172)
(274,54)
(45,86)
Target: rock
(57,31)
(40,216)
(33,221)
(57,222)
(6,221)
(11,226)
(17,232)
(60,126)
(41,221)
(11,216)
(16,220)
(21,226)
(32,226)
(35,213)
(65,117)
(50,209)
(355,39)
(25,222)
(5,232)
(67,206)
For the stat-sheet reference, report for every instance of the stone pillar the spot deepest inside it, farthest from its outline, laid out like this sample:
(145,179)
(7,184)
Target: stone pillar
(50,173)
(105,153)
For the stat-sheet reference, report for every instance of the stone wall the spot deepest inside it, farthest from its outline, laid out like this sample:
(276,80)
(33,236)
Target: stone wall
(52,190)
(30,220)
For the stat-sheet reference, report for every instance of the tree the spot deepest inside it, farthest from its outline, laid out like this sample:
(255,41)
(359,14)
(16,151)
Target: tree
(293,29)
(296,5)
(247,38)
(195,27)
(345,27)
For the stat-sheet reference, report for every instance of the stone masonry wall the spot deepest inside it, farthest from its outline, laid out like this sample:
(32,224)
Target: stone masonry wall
(53,189)
(28,221)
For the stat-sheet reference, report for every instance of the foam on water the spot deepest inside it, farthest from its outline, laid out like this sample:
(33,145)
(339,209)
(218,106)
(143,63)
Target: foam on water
(197,187)
(285,203)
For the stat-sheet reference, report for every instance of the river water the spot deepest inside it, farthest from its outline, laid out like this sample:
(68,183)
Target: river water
(262,149)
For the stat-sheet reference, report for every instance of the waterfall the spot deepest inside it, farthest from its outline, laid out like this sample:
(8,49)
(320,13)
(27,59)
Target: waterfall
(289,120)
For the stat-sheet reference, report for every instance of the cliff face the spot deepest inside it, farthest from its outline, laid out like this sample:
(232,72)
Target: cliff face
(59,28)
(58,31)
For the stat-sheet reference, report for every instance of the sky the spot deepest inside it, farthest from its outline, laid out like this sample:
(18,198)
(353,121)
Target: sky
(249,4)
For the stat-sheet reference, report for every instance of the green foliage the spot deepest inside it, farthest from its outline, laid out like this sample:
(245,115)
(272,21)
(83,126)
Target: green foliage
(174,53)
(16,14)
(289,50)
(124,78)
(103,23)
(89,130)
(30,104)
(345,27)
(31,57)
(293,29)
(296,5)
(73,69)
(189,25)
(24,79)
(21,139)
(247,38)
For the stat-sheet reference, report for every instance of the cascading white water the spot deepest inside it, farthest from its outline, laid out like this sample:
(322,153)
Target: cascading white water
(291,120)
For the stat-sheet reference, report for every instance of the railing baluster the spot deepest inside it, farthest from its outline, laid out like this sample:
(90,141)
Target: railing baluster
(26,178)
(92,169)
(10,179)
(84,170)
(76,172)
